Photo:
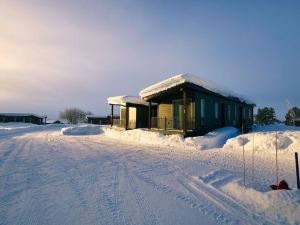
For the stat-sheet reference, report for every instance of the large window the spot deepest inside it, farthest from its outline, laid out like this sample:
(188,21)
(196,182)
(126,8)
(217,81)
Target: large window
(202,108)
(216,110)
(229,112)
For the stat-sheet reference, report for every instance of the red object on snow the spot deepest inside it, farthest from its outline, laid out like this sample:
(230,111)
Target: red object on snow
(283,185)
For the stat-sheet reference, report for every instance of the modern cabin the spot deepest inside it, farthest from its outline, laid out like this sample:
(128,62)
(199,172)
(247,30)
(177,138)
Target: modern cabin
(191,106)
(133,112)
(22,117)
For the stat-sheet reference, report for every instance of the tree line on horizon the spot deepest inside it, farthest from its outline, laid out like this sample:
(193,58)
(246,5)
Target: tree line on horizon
(267,116)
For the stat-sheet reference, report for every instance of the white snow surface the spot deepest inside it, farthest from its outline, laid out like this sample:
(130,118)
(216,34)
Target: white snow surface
(140,177)
(279,205)
(123,99)
(263,140)
(189,78)
(214,139)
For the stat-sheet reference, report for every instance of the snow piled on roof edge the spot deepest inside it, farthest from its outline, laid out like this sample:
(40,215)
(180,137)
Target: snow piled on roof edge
(123,99)
(189,78)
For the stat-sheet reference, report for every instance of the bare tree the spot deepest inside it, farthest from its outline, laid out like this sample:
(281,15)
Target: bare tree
(73,115)
(292,114)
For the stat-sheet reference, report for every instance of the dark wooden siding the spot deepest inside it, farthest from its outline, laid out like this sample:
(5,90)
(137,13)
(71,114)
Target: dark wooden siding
(226,116)
(24,119)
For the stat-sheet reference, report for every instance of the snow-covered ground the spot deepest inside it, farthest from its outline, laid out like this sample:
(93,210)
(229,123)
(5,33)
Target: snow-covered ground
(141,177)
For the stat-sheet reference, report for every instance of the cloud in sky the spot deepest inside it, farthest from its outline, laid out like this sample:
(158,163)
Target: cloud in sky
(57,54)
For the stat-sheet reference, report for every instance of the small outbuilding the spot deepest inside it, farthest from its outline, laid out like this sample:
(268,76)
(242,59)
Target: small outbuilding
(22,117)
(189,105)
(133,112)
(101,120)
(297,122)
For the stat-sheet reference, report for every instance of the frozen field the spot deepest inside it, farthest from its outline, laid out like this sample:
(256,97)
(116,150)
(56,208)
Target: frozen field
(111,177)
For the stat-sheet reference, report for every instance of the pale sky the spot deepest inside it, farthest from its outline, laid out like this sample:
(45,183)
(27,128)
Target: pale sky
(57,54)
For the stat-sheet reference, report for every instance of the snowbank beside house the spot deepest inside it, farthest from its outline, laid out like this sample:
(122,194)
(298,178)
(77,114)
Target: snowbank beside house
(288,141)
(81,130)
(282,206)
(214,139)
(143,136)
(227,138)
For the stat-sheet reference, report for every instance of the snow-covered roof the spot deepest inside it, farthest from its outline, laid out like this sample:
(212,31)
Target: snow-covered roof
(123,99)
(21,114)
(189,78)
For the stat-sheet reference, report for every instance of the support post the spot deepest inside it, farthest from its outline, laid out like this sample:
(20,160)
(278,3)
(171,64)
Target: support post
(126,117)
(297,170)
(165,122)
(277,180)
(112,116)
(184,112)
(149,116)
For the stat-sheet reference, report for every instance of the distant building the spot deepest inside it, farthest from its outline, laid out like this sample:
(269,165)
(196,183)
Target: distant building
(53,121)
(22,117)
(101,120)
(297,122)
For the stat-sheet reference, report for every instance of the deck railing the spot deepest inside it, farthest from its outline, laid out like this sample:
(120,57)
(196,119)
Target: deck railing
(122,123)
(172,123)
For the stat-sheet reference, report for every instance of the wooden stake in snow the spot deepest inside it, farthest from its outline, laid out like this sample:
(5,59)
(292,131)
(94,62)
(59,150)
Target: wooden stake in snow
(253,150)
(244,162)
(276,158)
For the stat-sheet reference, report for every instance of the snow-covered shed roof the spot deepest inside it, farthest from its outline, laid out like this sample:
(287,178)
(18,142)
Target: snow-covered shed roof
(123,99)
(96,116)
(189,78)
(22,114)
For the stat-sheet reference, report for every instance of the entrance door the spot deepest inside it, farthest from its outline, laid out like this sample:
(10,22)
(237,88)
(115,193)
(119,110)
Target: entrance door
(241,116)
(176,114)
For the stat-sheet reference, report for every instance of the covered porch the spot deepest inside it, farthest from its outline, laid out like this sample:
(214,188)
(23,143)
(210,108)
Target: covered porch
(175,111)
(132,112)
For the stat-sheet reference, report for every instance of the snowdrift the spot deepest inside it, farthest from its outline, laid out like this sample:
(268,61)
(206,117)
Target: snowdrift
(81,130)
(16,128)
(264,139)
(282,206)
(143,136)
(214,139)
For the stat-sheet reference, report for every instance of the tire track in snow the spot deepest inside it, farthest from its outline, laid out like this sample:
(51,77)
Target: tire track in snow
(149,216)
(220,199)
(8,193)
(217,204)
(109,194)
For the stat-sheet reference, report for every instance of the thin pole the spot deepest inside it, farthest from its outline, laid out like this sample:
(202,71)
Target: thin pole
(253,150)
(297,170)
(244,162)
(276,160)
